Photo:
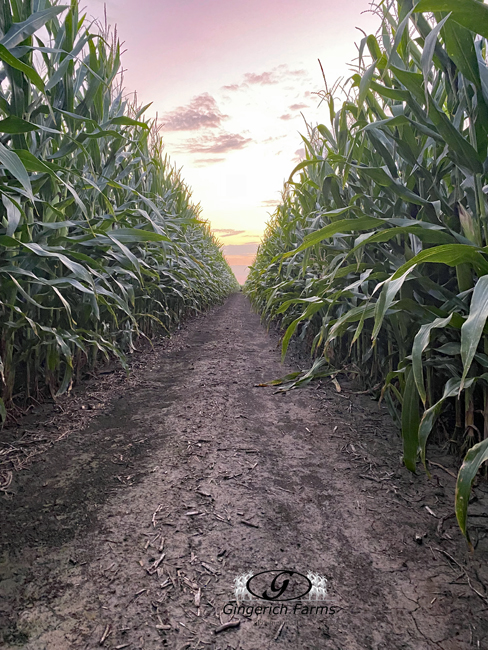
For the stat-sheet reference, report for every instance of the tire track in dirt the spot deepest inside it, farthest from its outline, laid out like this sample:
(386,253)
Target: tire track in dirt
(130,534)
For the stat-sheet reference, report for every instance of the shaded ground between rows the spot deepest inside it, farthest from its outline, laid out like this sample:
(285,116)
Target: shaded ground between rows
(153,494)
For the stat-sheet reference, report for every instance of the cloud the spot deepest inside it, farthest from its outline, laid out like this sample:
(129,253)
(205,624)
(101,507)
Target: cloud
(271,77)
(263,79)
(202,112)
(294,73)
(286,117)
(238,250)
(270,203)
(202,162)
(228,232)
(297,107)
(221,143)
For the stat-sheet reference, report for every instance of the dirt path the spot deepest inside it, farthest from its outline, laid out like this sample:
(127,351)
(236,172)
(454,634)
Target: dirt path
(192,461)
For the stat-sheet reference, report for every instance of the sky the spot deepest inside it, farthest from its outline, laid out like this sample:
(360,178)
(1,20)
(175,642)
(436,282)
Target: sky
(232,83)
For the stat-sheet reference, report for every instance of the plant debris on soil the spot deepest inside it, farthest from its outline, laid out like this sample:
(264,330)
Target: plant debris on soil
(129,509)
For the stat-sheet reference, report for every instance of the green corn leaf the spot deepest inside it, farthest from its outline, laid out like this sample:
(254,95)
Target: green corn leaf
(128,254)
(413,82)
(459,146)
(460,47)
(398,120)
(410,422)
(20,31)
(29,71)
(343,226)
(382,176)
(125,121)
(373,47)
(420,342)
(473,460)
(62,69)
(302,165)
(13,124)
(390,93)
(449,254)
(298,301)
(426,235)
(33,164)
(68,375)
(470,13)
(77,269)
(13,214)
(472,329)
(308,313)
(362,313)
(327,135)
(428,52)
(451,389)
(365,84)
(14,165)
(136,235)
(26,295)
(399,35)
(388,292)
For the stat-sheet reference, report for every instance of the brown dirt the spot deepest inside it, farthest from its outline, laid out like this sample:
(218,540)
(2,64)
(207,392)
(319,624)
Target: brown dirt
(235,479)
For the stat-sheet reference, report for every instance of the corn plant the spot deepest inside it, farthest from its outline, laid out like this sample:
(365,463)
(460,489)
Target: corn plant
(99,239)
(379,249)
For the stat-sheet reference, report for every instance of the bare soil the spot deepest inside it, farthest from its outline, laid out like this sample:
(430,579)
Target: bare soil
(142,499)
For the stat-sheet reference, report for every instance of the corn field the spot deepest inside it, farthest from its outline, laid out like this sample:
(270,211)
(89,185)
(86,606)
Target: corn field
(99,239)
(378,253)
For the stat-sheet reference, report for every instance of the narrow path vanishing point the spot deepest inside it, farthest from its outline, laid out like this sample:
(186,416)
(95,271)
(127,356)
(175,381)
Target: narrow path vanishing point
(192,461)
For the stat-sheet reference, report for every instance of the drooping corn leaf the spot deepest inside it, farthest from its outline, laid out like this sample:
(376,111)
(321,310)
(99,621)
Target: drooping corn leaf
(473,460)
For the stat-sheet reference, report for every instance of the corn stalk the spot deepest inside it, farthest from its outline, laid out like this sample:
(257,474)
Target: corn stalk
(100,241)
(380,244)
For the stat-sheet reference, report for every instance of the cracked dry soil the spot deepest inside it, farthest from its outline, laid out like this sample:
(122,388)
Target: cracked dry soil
(129,533)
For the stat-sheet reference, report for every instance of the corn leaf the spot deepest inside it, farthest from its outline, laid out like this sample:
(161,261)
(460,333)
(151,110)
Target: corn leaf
(473,460)
(470,13)
(410,422)
(472,329)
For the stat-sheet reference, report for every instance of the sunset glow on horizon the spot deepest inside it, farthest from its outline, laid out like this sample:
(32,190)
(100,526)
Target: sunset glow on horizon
(231,84)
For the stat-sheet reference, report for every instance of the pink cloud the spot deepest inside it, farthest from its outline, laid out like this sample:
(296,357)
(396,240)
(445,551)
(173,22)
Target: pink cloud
(278,74)
(202,112)
(203,162)
(228,232)
(263,79)
(221,143)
